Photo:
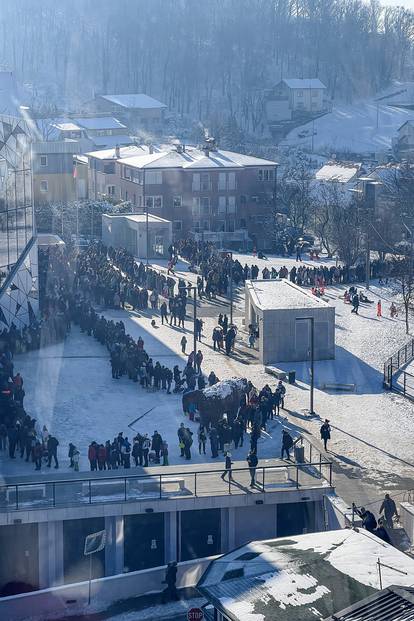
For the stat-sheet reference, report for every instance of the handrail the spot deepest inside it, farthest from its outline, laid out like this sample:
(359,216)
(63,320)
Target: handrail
(393,364)
(51,501)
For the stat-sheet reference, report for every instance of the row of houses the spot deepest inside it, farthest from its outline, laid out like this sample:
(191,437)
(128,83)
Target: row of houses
(216,194)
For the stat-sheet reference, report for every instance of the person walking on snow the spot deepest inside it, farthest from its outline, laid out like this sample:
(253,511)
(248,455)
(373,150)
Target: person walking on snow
(287,443)
(183,344)
(389,508)
(227,467)
(252,462)
(325,432)
(379,309)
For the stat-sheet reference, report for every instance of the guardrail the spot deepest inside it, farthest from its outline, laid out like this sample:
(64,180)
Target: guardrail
(404,355)
(188,484)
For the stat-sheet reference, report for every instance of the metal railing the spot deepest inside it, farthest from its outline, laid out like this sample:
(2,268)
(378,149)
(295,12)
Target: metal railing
(83,492)
(404,355)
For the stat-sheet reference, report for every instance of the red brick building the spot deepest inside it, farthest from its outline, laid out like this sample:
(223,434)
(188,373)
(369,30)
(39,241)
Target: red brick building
(212,194)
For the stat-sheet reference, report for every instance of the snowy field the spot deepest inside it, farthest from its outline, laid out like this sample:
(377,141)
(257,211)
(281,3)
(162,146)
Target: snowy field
(69,388)
(351,127)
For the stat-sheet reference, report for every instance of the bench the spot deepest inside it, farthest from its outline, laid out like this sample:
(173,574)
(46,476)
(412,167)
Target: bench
(339,386)
(153,485)
(278,373)
(25,491)
(105,486)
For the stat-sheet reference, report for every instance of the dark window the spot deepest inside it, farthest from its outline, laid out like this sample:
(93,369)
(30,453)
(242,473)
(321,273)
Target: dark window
(143,541)
(200,533)
(295,518)
(243,199)
(109,168)
(75,564)
(19,561)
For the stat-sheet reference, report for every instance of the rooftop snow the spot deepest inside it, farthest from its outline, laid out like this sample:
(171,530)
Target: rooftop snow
(166,156)
(304,83)
(66,126)
(134,100)
(100,122)
(137,217)
(109,154)
(112,141)
(338,171)
(302,577)
(275,294)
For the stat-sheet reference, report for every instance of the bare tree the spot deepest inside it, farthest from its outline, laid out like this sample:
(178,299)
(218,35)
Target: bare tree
(404,278)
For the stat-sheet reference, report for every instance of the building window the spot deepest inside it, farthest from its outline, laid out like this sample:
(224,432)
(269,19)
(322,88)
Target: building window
(196,205)
(205,182)
(314,93)
(177,225)
(300,93)
(206,225)
(242,223)
(153,202)
(196,182)
(266,174)
(153,177)
(127,173)
(221,226)
(231,205)
(196,226)
(109,168)
(231,178)
(110,190)
(230,226)
(222,181)
(222,205)
(126,195)
(44,186)
(43,160)
(177,201)
(243,199)
(205,205)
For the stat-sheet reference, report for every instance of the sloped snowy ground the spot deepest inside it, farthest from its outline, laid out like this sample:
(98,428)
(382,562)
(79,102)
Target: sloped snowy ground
(70,389)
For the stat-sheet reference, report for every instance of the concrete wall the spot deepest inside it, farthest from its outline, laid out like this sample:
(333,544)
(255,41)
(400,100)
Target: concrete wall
(283,339)
(72,599)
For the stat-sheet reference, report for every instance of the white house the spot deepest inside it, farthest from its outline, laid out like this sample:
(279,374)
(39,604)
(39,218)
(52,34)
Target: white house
(295,96)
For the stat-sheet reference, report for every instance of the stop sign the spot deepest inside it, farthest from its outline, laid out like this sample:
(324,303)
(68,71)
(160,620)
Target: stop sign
(195,614)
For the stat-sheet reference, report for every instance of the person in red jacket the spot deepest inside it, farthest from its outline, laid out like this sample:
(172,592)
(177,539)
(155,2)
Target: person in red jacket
(92,455)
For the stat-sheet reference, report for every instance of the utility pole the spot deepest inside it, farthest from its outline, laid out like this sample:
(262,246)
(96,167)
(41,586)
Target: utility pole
(312,361)
(231,288)
(194,290)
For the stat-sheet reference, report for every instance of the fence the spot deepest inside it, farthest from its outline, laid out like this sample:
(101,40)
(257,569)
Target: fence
(187,484)
(404,355)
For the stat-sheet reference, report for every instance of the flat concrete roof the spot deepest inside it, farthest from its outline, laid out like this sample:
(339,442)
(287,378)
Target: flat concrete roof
(137,217)
(275,294)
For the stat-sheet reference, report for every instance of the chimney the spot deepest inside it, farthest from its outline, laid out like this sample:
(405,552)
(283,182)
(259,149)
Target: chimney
(117,152)
(151,149)
(206,151)
(183,148)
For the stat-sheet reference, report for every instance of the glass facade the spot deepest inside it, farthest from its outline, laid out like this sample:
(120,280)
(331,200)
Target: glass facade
(16,210)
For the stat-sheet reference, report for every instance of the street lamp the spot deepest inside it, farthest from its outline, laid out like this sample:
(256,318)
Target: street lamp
(229,253)
(194,289)
(312,360)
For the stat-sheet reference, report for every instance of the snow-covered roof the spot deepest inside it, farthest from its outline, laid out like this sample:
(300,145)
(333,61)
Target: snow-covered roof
(304,83)
(340,172)
(124,152)
(56,146)
(167,156)
(112,141)
(65,126)
(274,294)
(134,100)
(100,122)
(303,577)
(137,217)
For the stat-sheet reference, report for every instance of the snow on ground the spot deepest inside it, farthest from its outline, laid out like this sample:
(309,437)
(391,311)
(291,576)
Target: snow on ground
(70,389)
(351,127)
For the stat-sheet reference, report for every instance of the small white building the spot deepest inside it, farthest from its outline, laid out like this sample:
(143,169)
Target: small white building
(130,231)
(278,308)
(342,175)
(295,96)
(404,143)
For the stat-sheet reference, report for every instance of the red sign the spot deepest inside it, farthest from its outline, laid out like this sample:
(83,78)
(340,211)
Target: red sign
(195,614)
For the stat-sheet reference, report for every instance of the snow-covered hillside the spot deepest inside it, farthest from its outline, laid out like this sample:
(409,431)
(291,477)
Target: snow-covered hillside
(351,128)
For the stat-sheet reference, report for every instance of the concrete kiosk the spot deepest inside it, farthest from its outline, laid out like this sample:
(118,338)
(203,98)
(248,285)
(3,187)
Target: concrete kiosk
(130,231)
(274,306)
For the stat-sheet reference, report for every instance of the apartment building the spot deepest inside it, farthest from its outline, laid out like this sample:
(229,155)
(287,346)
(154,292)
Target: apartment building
(210,193)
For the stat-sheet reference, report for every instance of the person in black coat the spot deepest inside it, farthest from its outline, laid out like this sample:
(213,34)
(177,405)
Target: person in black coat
(252,462)
(156,446)
(368,519)
(325,432)
(381,532)
(287,443)
(52,444)
(227,467)
(170,592)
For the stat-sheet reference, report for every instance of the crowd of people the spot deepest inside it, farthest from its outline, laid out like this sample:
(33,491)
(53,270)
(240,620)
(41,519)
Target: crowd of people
(384,524)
